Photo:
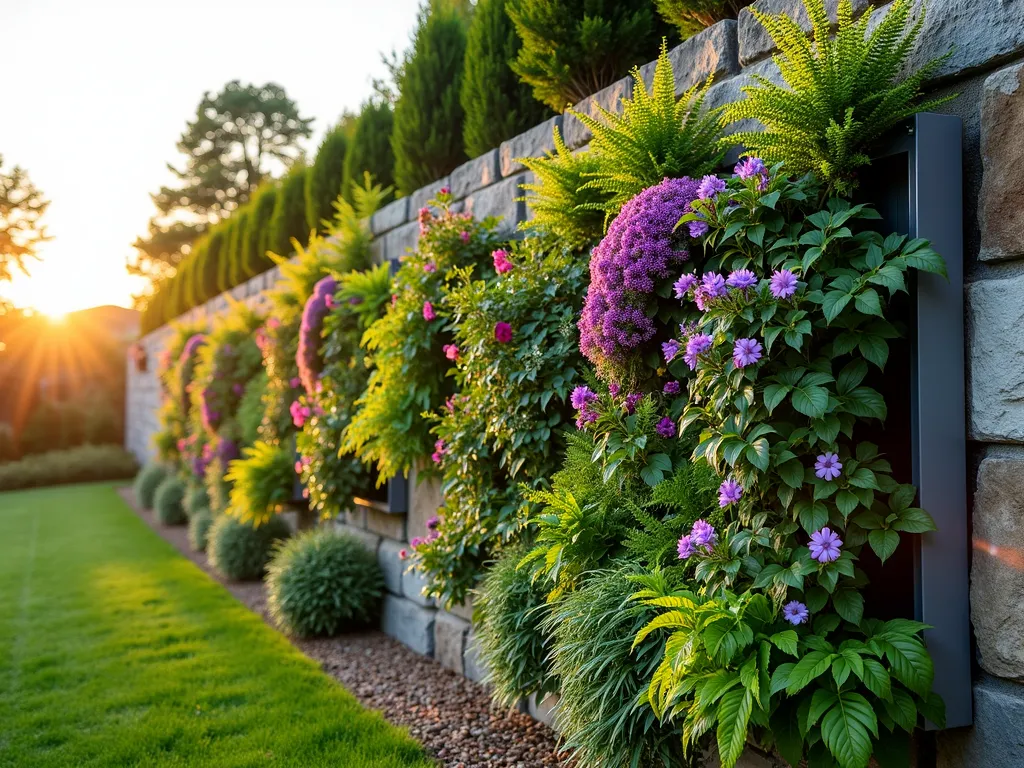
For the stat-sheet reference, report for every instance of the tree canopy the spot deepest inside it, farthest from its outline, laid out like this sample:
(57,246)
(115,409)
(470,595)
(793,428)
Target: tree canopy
(22,207)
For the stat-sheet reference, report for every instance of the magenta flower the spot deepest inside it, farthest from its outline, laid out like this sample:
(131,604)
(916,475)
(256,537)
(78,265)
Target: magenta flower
(666,428)
(824,545)
(501,261)
(683,285)
(742,279)
(428,311)
(464,236)
(614,389)
(695,347)
(502,332)
(581,396)
(670,349)
(631,402)
(300,413)
(685,548)
(671,388)
(703,534)
(298,467)
(746,352)
(295,382)
(451,351)
(445,191)
(710,186)
(783,284)
(430,267)
(827,467)
(795,612)
(403,554)
(729,492)
(698,228)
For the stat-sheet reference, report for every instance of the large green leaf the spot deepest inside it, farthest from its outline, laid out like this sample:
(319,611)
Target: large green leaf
(733,717)
(884,542)
(910,662)
(811,666)
(811,401)
(849,603)
(847,729)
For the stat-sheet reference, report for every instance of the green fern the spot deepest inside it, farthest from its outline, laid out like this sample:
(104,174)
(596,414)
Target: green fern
(841,94)
(656,136)
(561,207)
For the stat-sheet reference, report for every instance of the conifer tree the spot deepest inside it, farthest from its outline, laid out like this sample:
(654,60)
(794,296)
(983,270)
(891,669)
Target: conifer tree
(289,219)
(692,16)
(574,48)
(238,245)
(211,262)
(427,138)
(326,174)
(496,103)
(369,150)
(259,231)
(228,228)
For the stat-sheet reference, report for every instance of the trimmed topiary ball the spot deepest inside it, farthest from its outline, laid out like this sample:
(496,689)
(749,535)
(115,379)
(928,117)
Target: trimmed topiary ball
(199,523)
(196,499)
(167,501)
(240,552)
(510,606)
(321,582)
(147,481)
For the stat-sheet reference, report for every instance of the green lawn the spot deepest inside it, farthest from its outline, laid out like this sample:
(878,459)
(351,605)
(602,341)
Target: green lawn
(117,651)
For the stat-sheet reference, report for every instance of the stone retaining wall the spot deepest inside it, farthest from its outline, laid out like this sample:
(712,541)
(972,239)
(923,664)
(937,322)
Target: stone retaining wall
(987,38)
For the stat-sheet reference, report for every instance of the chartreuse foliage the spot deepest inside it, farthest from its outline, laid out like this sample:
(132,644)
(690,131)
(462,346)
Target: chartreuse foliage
(503,430)
(835,682)
(261,481)
(656,136)
(842,92)
(406,348)
(158,665)
(691,16)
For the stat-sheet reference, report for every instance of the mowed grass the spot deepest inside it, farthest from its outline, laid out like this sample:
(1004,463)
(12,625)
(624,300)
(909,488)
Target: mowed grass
(117,651)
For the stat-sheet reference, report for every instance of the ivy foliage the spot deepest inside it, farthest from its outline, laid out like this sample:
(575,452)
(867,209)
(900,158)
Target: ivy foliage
(409,367)
(842,92)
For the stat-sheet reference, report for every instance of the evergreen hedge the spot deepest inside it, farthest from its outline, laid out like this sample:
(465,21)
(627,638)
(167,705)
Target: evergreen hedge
(259,230)
(236,271)
(227,229)
(289,219)
(369,150)
(427,138)
(325,177)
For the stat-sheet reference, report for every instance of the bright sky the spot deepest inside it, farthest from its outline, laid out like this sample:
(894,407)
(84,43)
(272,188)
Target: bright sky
(98,94)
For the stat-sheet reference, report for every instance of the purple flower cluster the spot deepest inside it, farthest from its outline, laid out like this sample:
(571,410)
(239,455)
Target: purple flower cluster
(666,428)
(696,346)
(640,249)
(186,366)
(729,492)
(440,451)
(432,533)
(753,167)
(227,451)
(582,399)
(307,357)
(701,536)
(746,352)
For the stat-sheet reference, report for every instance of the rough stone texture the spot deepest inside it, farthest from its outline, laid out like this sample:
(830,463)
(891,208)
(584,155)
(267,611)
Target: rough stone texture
(754,41)
(390,216)
(711,52)
(576,133)
(532,143)
(544,711)
(425,499)
(391,526)
(369,540)
(997,573)
(997,738)
(424,195)
(450,640)
(995,317)
(478,173)
(729,91)
(499,200)
(409,624)
(391,565)
(398,241)
(1000,214)
(463,610)
(412,587)
(472,665)
(355,516)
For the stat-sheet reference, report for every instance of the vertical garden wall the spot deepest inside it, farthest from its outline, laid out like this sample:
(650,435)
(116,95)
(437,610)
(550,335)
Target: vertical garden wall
(987,42)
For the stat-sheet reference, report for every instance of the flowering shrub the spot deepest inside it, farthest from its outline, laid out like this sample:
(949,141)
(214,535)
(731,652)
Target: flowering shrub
(406,345)
(516,362)
(794,298)
(307,358)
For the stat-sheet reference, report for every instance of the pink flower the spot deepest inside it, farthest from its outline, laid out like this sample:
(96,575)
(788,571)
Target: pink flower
(501,261)
(445,191)
(430,267)
(329,301)
(298,467)
(451,351)
(464,236)
(295,382)
(305,493)
(273,323)
(503,332)
(428,311)
(403,554)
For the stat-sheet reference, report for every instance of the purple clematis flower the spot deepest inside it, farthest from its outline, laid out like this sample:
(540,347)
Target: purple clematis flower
(824,545)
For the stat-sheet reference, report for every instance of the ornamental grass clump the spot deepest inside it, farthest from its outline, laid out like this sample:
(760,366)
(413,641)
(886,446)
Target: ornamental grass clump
(323,583)
(509,607)
(260,482)
(167,501)
(147,481)
(793,335)
(240,551)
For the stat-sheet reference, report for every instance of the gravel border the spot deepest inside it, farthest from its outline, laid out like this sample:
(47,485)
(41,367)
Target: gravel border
(451,715)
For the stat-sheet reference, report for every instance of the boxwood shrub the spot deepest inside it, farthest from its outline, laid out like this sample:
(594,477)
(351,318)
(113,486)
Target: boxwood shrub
(167,501)
(147,481)
(240,551)
(199,523)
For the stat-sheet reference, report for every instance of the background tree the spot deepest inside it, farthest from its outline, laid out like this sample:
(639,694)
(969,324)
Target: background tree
(573,48)
(230,146)
(228,227)
(497,104)
(238,245)
(289,219)
(21,208)
(427,138)
(369,150)
(326,174)
(258,240)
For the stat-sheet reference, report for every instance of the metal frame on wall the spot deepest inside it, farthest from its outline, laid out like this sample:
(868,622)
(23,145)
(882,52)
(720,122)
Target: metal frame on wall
(933,148)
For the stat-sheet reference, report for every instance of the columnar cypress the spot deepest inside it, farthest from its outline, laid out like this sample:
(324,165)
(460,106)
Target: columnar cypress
(236,267)
(289,218)
(574,48)
(325,177)
(259,231)
(369,150)
(211,262)
(497,104)
(224,265)
(427,138)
